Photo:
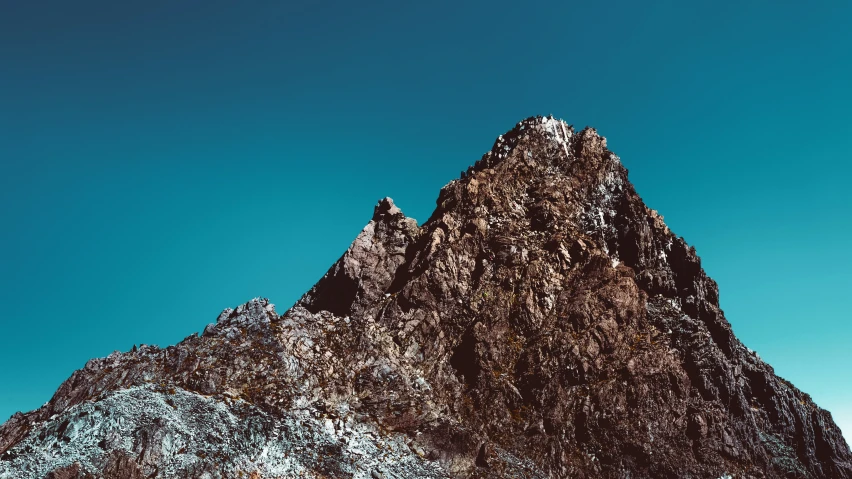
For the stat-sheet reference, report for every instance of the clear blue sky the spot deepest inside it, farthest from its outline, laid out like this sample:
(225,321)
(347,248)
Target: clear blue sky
(163,160)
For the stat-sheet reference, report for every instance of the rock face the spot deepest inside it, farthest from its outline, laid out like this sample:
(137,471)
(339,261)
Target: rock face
(542,323)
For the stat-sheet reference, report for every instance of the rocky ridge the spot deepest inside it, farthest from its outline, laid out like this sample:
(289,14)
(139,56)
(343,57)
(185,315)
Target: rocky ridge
(542,323)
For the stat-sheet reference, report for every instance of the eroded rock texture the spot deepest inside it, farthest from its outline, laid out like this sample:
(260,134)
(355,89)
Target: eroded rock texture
(542,323)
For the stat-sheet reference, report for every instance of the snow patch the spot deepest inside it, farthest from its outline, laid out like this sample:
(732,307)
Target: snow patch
(556,131)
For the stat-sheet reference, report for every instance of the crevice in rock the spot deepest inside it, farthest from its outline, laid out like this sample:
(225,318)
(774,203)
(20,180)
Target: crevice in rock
(464,359)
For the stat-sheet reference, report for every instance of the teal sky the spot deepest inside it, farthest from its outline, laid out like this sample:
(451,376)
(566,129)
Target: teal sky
(162,161)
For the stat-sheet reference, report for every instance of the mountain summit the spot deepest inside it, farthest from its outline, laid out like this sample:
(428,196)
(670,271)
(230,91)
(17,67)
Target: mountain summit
(542,323)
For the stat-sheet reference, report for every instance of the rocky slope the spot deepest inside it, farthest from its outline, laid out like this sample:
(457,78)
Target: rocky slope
(542,323)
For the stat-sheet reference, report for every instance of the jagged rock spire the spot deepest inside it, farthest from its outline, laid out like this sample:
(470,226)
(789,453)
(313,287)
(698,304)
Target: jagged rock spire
(359,278)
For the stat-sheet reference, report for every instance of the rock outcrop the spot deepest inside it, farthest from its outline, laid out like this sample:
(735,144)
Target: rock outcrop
(542,323)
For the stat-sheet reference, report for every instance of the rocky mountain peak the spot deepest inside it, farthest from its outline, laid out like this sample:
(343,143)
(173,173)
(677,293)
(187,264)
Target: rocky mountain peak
(384,208)
(556,137)
(544,322)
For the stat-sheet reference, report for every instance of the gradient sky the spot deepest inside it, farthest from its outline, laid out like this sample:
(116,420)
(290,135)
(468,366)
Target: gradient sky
(163,160)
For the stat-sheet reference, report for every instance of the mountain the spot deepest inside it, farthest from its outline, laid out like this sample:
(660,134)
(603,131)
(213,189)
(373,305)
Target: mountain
(542,323)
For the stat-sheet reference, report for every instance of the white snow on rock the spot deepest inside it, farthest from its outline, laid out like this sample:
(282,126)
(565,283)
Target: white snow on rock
(557,132)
